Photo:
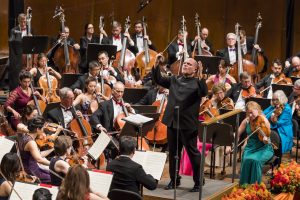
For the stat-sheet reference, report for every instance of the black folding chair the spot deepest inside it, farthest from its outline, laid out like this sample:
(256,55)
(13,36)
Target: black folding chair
(117,194)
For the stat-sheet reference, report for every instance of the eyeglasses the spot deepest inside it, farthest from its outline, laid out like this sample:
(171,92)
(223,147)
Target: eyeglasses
(275,99)
(90,27)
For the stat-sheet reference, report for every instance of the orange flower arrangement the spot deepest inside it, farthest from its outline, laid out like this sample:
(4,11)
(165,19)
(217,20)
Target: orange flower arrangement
(249,192)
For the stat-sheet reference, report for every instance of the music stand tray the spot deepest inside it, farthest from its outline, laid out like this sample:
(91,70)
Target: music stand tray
(144,108)
(294,79)
(210,63)
(50,106)
(94,48)
(67,80)
(34,44)
(263,102)
(134,95)
(287,89)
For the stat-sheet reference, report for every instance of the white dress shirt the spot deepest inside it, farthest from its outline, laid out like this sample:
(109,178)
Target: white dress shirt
(232,56)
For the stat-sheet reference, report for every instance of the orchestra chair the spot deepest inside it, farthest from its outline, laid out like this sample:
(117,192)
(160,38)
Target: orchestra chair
(276,159)
(296,135)
(117,194)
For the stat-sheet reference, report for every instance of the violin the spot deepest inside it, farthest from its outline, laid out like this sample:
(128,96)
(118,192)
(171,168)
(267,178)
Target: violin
(249,92)
(4,125)
(277,112)
(225,103)
(207,111)
(45,142)
(264,131)
(282,80)
(296,74)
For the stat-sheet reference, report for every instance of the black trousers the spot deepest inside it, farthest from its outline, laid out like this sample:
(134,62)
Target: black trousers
(188,139)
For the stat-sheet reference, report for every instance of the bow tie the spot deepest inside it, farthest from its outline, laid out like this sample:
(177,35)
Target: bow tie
(139,36)
(117,37)
(232,49)
(120,103)
(66,109)
(180,43)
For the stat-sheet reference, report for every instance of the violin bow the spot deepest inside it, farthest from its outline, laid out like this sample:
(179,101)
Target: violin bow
(169,44)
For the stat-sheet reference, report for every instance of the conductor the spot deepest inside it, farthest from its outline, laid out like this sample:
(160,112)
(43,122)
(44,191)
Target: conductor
(185,93)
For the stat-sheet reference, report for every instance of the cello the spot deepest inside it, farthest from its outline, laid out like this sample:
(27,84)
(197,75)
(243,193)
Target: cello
(145,59)
(256,57)
(40,104)
(66,58)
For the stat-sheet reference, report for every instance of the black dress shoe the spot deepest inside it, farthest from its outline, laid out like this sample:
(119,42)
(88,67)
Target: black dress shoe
(197,187)
(171,184)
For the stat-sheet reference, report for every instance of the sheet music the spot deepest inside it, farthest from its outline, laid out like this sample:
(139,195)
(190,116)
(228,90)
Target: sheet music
(152,162)
(26,190)
(137,119)
(100,182)
(99,145)
(5,146)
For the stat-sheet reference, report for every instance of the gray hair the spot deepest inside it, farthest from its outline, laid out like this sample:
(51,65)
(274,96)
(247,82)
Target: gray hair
(297,83)
(63,92)
(20,16)
(116,24)
(281,96)
(231,35)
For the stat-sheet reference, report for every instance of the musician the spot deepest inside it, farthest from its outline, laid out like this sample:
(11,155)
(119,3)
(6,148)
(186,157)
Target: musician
(256,152)
(105,117)
(222,76)
(247,43)
(76,185)
(128,175)
(117,38)
(108,70)
(175,50)
(87,38)
(186,93)
(28,113)
(155,94)
(268,80)
(19,98)
(40,70)
(294,68)
(280,116)
(229,53)
(10,168)
(63,114)
(206,44)
(58,164)
(236,92)
(30,153)
(138,37)
(42,193)
(219,100)
(294,101)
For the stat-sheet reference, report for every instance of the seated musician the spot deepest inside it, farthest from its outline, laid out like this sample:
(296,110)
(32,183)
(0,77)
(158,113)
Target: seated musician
(258,150)
(176,48)
(276,77)
(58,164)
(280,116)
(108,70)
(28,113)
(229,53)
(153,95)
(63,114)
(30,152)
(219,100)
(205,43)
(41,69)
(240,91)
(294,101)
(76,185)
(10,167)
(222,76)
(19,98)
(247,43)
(138,37)
(294,68)
(117,38)
(42,193)
(128,175)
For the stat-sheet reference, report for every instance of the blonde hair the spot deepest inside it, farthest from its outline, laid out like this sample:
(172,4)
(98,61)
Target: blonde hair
(253,105)
(218,87)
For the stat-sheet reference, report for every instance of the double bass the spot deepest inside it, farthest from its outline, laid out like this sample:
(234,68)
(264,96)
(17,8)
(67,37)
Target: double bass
(66,58)
(145,59)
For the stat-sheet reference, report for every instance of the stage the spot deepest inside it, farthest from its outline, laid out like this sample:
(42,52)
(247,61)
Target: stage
(213,189)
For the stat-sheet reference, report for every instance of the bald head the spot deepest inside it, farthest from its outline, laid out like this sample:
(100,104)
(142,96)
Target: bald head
(118,90)
(295,61)
(189,67)
(204,33)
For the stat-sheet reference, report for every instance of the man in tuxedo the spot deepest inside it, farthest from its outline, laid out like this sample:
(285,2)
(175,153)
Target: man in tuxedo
(293,67)
(206,44)
(175,50)
(153,95)
(229,53)
(117,38)
(63,114)
(129,175)
(185,94)
(138,37)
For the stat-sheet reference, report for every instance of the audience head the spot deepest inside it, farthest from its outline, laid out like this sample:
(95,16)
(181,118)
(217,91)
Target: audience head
(42,194)
(127,145)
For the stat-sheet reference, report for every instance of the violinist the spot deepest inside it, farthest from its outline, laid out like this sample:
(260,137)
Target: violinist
(117,38)
(294,68)
(294,101)
(10,167)
(41,69)
(138,37)
(175,50)
(229,53)
(219,100)
(30,152)
(19,98)
(276,77)
(58,164)
(258,150)
(206,44)
(63,114)
(110,74)
(280,116)
(240,91)
(28,113)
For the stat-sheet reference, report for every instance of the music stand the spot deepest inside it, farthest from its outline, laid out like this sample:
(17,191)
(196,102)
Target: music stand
(294,79)
(287,89)
(67,80)
(34,44)
(50,106)
(210,63)
(144,108)
(134,95)
(94,48)
(263,102)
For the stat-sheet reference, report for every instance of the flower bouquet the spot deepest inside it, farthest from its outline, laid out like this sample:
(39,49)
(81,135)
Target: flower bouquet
(249,192)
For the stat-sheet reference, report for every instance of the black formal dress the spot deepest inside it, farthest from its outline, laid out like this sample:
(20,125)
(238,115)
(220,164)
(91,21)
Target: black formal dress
(174,48)
(83,42)
(186,93)
(128,175)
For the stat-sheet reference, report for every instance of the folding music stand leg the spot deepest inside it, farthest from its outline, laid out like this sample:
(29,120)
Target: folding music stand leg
(202,160)
(235,149)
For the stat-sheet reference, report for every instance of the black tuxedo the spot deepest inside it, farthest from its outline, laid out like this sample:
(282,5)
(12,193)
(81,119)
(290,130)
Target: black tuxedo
(208,43)
(84,41)
(104,115)
(128,175)
(173,49)
(265,82)
(149,98)
(56,116)
(186,93)
(234,92)
(135,43)
(224,53)
(109,40)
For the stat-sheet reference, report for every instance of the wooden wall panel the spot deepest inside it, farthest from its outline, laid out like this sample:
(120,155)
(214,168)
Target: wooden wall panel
(3,27)
(296,41)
